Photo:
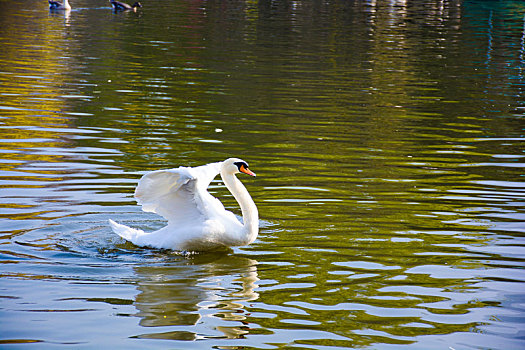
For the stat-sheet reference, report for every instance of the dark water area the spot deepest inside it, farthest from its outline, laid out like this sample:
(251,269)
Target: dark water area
(388,140)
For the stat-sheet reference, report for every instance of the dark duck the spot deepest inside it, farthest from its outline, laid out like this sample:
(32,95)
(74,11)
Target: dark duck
(121,6)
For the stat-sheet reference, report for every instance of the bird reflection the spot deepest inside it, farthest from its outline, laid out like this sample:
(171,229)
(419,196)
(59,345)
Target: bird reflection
(67,15)
(199,297)
(62,13)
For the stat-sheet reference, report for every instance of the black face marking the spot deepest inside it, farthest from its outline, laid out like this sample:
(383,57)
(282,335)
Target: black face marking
(240,164)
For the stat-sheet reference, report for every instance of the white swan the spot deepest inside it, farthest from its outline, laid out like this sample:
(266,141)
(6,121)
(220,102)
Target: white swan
(197,221)
(55,5)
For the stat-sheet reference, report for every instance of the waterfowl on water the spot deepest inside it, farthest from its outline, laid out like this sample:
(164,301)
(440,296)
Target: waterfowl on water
(197,221)
(55,5)
(121,6)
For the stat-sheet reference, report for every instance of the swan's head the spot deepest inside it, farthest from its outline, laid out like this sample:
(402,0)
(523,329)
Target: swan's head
(136,5)
(235,166)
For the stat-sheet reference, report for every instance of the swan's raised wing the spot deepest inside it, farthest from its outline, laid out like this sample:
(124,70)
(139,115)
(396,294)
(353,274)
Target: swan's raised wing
(179,195)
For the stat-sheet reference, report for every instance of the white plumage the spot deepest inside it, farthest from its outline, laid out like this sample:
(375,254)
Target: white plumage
(197,221)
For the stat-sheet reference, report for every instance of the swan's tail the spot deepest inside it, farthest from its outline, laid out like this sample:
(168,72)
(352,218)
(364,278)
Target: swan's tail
(125,232)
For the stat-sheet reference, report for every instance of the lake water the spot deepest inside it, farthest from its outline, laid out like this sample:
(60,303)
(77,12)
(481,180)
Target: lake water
(388,140)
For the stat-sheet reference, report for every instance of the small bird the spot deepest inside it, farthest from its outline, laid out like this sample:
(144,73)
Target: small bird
(55,5)
(121,6)
(197,221)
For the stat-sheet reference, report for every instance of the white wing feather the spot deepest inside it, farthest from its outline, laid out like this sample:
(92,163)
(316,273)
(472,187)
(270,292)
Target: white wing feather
(179,195)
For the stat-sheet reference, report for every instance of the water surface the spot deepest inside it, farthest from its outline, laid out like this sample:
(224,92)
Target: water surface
(388,141)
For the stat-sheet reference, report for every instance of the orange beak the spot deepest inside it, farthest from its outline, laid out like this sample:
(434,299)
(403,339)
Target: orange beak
(245,170)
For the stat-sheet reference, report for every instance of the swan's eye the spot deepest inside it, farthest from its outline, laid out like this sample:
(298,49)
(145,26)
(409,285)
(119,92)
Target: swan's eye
(243,168)
(241,165)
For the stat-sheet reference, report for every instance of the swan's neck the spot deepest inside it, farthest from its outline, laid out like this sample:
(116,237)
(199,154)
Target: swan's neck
(250,215)
(66,5)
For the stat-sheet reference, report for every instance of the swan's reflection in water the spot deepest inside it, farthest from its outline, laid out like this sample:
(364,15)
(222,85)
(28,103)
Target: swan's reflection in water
(201,297)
